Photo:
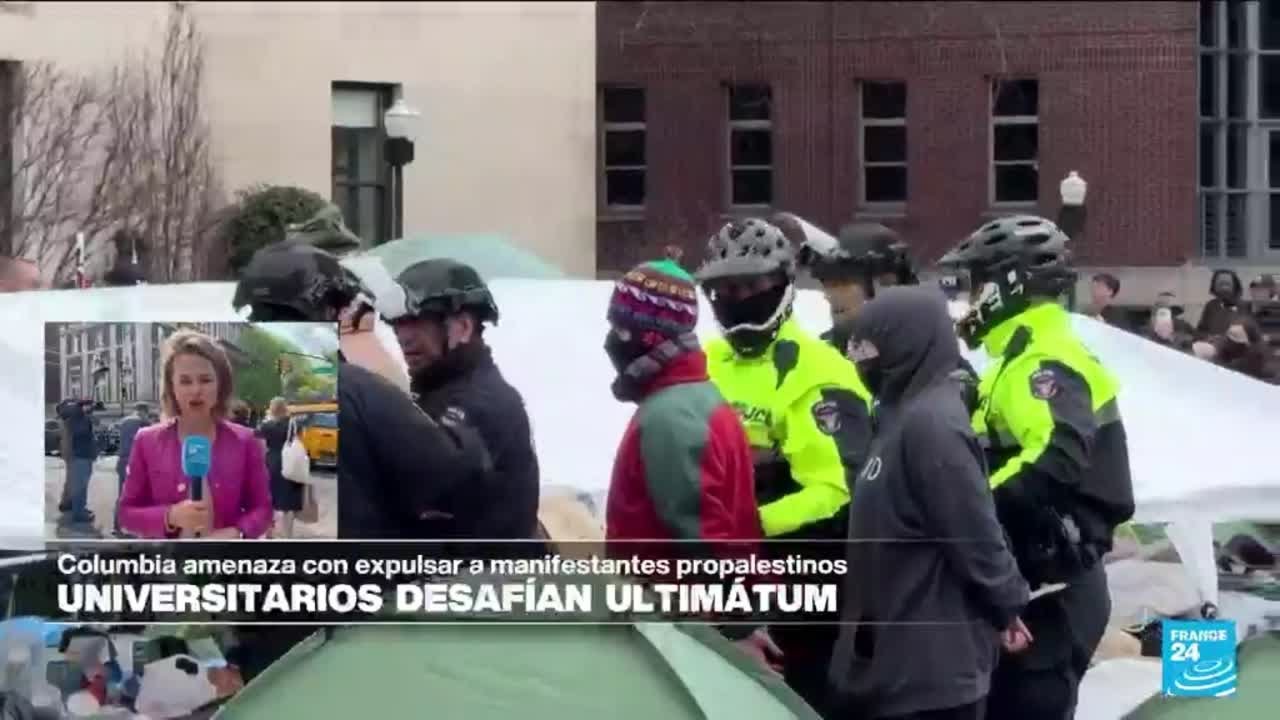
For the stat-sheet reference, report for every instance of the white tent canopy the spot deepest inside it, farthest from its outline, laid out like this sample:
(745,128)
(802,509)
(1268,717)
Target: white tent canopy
(1199,436)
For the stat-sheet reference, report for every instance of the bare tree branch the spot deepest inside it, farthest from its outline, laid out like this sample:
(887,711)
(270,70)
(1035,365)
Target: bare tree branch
(125,149)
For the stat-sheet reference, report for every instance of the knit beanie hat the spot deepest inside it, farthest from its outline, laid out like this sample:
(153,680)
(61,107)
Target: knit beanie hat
(657,301)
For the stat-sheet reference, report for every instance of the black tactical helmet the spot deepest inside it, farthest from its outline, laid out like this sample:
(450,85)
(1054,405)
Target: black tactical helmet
(443,286)
(296,281)
(1008,262)
(865,250)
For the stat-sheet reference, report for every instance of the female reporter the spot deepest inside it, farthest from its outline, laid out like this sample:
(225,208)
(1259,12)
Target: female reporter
(156,501)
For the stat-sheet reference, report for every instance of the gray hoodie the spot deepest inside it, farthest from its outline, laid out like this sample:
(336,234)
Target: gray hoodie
(931,579)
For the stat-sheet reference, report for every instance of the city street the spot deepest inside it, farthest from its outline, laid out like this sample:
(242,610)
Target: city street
(103,492)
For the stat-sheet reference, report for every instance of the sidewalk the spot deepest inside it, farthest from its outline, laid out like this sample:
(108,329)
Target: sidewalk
(103,491)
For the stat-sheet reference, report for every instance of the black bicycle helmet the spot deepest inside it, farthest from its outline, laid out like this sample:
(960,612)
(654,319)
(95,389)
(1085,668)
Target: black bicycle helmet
(1007,263)
(443,286)
(295,281)
(865,251)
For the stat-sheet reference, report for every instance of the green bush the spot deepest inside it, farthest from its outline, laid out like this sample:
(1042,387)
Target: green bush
(259,217)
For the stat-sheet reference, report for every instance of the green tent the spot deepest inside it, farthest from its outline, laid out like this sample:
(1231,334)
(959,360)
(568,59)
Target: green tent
(638,671)
(492,256)
(1257,696)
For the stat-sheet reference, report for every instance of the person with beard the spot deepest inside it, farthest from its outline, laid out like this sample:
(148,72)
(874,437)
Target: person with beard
(683,470)
(453,374)
(806,413)
(395,461)
(923,637)
(398,465)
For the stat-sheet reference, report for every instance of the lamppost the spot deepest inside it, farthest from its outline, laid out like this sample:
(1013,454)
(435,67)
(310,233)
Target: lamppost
(401,124)
(1072,215)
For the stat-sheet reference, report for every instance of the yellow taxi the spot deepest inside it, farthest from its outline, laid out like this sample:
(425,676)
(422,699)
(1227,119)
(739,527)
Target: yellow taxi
(318,427)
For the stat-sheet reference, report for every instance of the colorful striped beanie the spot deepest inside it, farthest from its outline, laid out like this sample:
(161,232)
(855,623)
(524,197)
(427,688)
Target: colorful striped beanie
(657,300)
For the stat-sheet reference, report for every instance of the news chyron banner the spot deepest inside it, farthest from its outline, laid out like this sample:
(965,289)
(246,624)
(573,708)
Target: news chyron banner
(328,582)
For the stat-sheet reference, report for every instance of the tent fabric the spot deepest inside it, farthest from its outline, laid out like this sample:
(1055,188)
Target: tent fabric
(1258,662)
(546,672)
(492,256)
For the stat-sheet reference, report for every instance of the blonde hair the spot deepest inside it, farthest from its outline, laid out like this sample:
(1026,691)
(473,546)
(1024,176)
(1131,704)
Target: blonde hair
(279,408)
(190,342)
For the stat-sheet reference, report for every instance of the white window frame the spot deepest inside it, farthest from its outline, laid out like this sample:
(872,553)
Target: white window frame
(895,207)
(1254,197)
(730,126)
(605,129)
(1007,120)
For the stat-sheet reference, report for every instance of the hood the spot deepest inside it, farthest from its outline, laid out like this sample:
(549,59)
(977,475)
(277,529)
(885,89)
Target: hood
(912,332)
(1237,288)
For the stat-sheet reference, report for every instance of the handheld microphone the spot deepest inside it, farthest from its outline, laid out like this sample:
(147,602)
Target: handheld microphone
(197,455)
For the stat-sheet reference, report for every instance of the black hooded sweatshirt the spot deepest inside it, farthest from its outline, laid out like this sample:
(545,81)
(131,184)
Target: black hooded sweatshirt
(937,586)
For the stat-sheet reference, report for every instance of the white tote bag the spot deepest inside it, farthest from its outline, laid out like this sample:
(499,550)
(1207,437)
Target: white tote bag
(295,464)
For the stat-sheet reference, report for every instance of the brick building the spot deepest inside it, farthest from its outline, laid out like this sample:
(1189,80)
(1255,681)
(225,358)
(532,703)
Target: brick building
(929,117)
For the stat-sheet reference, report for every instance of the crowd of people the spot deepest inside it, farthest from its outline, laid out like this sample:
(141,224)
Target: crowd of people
(1235,330)
(246,493)
(877,430)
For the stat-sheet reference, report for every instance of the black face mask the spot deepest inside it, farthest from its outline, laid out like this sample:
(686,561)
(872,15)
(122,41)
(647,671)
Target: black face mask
(872,375)
(754,310)
(1232,350)
(622,352)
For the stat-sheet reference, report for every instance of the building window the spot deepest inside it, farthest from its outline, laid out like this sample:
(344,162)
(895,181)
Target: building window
(750,146)
(884,143)
(1015,141)
(622,147)
(360,173)
(1239,99)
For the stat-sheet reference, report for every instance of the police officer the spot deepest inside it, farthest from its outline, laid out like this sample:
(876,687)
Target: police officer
(1049,413)
(452,373)
(865,256)
(397,465)
(805,411)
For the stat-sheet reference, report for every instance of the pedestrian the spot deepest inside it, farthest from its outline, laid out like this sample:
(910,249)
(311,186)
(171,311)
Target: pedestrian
(453,373)
(1050,416)
(806,414)
(1225,305)
(683,469)
(240,414)
(286,495)
(1103,289)
(128,429)
(82,452)
(196,389)
(936,585)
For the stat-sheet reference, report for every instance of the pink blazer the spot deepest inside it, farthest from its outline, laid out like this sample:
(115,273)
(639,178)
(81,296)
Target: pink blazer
(238,484)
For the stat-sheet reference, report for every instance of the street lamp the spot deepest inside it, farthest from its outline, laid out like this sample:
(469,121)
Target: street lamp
(401,125)
(1072,215)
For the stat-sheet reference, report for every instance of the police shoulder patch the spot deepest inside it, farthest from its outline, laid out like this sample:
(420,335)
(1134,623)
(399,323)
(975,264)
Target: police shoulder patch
(826,414)
(1044,384)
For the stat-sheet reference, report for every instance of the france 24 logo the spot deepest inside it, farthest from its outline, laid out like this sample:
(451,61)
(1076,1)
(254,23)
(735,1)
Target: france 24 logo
(1198,658)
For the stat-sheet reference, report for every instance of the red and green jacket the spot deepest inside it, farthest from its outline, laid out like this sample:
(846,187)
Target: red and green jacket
(683,470)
